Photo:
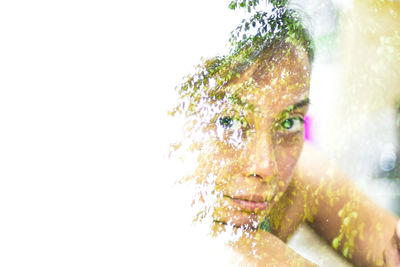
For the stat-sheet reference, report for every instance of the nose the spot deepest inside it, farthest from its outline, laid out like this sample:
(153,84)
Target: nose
(262,163)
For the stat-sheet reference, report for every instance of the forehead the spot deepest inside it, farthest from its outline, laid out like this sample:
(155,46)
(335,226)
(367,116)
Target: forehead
(278,81)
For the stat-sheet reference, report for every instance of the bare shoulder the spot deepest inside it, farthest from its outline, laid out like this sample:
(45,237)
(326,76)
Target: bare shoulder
(339,212)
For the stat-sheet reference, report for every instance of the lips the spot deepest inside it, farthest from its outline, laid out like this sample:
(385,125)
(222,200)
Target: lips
(251,204)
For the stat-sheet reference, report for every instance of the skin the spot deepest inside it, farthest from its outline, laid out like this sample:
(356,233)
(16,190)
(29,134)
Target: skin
(260,169)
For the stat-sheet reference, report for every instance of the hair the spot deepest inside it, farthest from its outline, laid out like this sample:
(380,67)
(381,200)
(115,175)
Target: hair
(264,33)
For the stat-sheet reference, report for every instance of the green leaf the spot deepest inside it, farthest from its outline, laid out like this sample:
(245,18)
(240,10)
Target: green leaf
(233,5)
(346,252)
(336,242)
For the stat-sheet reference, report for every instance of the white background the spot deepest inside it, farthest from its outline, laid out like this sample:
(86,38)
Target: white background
(84,91)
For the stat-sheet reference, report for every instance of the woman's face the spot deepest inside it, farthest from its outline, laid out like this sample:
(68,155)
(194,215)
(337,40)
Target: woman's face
(255,139)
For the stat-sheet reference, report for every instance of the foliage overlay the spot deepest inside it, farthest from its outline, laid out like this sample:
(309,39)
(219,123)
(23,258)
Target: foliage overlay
(276,23)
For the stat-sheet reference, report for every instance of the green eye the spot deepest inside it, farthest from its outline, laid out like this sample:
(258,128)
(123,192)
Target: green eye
(292,124)
(287,124)
(226,122)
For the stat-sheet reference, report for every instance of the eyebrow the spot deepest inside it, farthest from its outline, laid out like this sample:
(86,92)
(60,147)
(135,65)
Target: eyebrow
(285,113)
(302,103)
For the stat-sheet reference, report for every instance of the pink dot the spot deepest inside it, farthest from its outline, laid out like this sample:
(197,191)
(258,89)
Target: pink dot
(307,128)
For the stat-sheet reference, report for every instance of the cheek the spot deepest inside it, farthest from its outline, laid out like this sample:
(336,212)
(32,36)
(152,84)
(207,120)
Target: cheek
(287,152)
(221,162)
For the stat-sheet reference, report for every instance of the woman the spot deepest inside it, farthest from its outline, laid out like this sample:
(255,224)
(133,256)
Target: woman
(245,116)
